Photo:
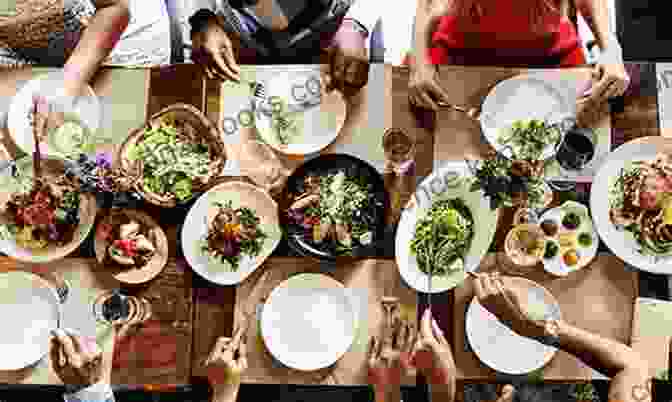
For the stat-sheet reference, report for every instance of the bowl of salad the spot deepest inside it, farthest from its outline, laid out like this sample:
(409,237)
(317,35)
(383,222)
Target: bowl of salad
(46,219)
(174,156)
(334,206)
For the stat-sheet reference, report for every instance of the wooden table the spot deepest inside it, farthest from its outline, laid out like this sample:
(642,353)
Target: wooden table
(636,117)
(202,322)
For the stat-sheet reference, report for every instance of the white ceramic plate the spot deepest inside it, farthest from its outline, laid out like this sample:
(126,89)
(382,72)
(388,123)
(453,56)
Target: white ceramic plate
(87,109)
(195,230)
(500,348)
(452,180)
(623,243)
(320,124)
(523,97)
(309,322)
(31,309)
(556,265)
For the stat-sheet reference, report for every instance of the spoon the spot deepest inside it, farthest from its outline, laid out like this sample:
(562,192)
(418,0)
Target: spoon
(471,112)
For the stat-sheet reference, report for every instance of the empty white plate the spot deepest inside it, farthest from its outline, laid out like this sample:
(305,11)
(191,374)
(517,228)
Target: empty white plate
(309,322)
(31,310)
(499,347)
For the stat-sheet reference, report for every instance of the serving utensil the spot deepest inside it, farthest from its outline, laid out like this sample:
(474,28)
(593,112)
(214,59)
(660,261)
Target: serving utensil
(470,111)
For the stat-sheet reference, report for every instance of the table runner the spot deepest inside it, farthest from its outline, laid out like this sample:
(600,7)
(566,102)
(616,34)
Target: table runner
(598,298)
(369,280)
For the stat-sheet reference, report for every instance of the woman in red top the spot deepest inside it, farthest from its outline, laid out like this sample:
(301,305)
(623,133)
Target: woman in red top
(524,33)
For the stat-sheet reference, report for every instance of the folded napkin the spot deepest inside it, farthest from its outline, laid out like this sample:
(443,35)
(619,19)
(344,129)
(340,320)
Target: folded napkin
(652,332)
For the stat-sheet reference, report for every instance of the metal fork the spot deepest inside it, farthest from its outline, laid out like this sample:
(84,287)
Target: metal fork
(258,89)
(282,122)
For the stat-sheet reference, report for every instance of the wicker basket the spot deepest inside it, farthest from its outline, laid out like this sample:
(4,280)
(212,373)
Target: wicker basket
(32,24)
(193,125)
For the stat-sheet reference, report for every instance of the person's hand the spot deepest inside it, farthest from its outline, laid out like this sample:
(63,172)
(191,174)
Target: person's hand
(431,353)
(348,61)
(76,360)
(506,304)
(506,394)
(227,361)
(215,51)
(389,358)
(260,164)
(424,88)
(610,80)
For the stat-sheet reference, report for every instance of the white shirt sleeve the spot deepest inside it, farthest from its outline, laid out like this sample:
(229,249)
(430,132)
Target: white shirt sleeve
(98,392)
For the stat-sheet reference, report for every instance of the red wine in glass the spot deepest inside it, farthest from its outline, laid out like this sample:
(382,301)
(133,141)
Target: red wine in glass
(577,149)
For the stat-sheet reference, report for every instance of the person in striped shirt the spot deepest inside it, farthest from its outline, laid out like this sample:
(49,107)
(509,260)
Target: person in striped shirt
(234,32)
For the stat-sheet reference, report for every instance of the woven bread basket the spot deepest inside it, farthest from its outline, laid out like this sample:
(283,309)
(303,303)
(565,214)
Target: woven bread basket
(32,23)
(193,125)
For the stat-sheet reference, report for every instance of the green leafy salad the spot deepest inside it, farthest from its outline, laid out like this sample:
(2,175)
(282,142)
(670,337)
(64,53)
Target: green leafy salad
(529,138)
(443,237)
(171,162)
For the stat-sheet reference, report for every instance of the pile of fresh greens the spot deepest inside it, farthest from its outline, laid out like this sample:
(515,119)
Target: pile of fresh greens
(529,138)
(341,197)
(442,236)
(171,163)
(495,178)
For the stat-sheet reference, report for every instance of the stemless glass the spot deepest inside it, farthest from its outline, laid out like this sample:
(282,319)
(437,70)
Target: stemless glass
(113,307)
(399,149)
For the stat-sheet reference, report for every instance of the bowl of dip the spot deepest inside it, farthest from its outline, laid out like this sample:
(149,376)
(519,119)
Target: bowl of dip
(525,245)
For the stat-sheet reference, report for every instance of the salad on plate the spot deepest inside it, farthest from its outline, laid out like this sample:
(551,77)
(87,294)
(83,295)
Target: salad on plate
(443,237)
(234,233)
(640,202)
(530,139)
(333,211)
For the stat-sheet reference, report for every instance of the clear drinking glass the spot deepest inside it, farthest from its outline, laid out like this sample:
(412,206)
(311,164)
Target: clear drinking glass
(399,149)
(113,307)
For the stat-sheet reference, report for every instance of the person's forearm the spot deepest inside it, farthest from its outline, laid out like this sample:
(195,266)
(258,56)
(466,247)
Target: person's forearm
(99,38)
(443,388)
(425,21)
(596,14)
(603,354)
(225,393)
(391,393)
